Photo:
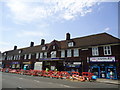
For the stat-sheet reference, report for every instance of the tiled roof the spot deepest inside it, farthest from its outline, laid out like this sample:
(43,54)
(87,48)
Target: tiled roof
(91,40)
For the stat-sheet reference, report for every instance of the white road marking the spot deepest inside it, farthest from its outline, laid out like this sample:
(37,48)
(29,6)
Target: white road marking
(65,85)
(36,81)
(20,78)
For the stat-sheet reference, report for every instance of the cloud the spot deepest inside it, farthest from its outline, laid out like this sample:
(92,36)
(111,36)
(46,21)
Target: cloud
(106,29)
(4,43)
(31,34)
(32,11)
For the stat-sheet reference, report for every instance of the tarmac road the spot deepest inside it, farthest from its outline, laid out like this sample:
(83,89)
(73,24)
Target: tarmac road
(23,81)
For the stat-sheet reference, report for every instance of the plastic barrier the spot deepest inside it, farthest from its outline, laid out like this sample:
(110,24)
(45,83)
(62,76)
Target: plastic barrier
(87,75)
(64,75)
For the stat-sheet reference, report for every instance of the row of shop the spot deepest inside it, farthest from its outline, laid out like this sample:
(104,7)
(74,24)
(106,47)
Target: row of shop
(102,67)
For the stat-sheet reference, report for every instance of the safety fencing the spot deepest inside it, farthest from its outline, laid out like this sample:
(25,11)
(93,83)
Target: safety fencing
(84,76)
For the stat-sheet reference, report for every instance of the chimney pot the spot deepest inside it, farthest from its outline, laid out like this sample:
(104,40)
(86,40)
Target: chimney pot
(31,44)
(67,36)
(15,47)
(42,41)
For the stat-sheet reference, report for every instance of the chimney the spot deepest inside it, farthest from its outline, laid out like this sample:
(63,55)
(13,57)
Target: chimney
(67,36)
(15,47)
(31,44)
(42,41)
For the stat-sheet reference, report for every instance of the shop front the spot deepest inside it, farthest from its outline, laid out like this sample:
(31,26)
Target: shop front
(103,67)
(38,65)
(26,65)
(73,66)
(15,65)
(52,63)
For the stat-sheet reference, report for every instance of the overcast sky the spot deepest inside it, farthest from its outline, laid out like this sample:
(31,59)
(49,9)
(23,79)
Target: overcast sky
(23,21)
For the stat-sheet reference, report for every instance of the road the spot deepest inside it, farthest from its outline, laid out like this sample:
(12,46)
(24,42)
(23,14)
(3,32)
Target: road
(23,81)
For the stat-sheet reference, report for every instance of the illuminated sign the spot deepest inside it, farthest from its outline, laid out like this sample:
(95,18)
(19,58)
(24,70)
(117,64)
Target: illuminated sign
(102,59)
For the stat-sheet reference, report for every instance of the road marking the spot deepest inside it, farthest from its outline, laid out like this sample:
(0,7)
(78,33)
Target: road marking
(36,81)
(20,78)
(65,85)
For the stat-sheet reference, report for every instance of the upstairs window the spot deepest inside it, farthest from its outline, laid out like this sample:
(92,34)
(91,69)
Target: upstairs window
(37,55)
(53,47)
(53,54)
(43,48)
(45,54)
(25,56)
(76,52)
(69,53)
(70,44)
(95,51)
(29,56)
(20,51)
(41,55)
(62,53)
(107,50)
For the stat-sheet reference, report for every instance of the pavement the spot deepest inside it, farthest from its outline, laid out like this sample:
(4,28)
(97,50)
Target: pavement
(110,81)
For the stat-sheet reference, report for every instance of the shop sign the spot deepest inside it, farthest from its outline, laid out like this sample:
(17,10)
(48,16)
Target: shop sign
(72,65)
(26,62)
(102,59)
(51,59)
(15,62)
(77,63)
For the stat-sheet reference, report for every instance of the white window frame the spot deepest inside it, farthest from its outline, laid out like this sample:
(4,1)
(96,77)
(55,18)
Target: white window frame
(41,55)
(76,52)
(18,57)
(53,47)
(95,51)
(29,56)
(70,44)
(53,54)
(62,53)
(37,55)
(45,54)
(44,47)
(25,56)
(69,52)
(107,50)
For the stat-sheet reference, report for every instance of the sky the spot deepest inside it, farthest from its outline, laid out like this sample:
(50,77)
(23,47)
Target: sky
(23,21)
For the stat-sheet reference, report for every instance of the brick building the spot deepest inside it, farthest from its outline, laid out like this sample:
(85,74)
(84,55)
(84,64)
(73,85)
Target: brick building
(97,53)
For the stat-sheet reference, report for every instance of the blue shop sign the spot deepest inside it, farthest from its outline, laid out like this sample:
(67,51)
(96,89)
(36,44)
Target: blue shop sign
(15,62)
(72,65)
(51,59)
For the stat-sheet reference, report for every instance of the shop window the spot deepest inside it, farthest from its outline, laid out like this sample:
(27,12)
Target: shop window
(76,52)
(107,50)
(45,54)
(25,56)
(69,53)
(95,51)
(62,53)
(53,54)
(70,44)
(37,55)
(41,55)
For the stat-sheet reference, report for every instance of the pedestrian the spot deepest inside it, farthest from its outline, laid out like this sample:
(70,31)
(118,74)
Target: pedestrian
(47,70)
(111,75)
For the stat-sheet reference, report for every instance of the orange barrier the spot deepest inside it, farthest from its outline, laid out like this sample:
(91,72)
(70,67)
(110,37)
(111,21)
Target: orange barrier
(87,75)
